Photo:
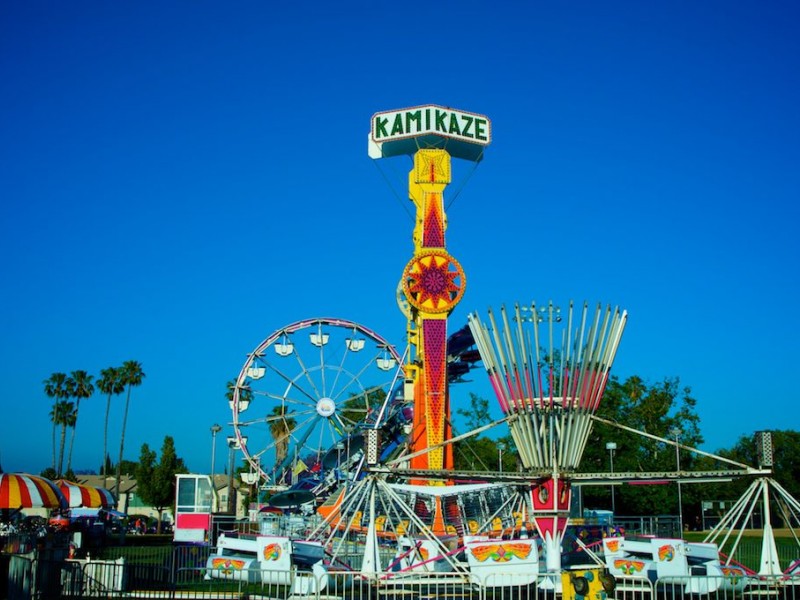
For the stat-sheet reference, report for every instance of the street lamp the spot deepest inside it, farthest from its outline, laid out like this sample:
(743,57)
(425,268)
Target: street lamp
(233,445)
(500,447)
(215,429)
(677,432)
(611,446)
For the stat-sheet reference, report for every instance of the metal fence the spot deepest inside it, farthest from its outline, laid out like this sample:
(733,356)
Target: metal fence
(31,578)
(180,572)
(658,525)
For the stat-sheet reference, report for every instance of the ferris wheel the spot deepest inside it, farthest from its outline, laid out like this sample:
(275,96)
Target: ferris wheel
(306,389)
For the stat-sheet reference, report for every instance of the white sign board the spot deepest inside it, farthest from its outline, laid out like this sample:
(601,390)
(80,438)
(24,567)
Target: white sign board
(463,133)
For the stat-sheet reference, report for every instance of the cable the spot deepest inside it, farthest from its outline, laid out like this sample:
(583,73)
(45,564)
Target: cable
(403,204)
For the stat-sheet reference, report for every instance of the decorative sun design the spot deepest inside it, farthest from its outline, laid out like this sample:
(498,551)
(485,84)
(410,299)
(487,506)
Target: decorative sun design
(433,282)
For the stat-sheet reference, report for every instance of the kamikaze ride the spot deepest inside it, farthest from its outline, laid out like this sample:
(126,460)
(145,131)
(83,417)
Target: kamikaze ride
(433,282)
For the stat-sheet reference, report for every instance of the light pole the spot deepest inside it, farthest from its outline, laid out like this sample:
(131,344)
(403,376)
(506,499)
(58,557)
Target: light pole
(215,429)
(500,447)
(677,432)
(611,446)
(233,445)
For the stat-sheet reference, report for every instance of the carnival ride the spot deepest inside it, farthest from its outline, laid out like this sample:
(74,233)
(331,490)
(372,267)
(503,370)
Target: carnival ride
(357,439)
(305,393)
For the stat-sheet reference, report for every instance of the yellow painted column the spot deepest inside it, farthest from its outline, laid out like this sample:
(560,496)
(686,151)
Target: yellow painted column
(433,283)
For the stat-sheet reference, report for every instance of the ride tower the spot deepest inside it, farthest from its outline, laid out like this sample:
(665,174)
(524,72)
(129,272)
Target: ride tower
(433,282)
(549,371)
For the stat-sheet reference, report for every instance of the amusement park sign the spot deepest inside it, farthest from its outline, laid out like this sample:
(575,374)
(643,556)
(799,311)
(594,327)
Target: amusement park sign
(395,132)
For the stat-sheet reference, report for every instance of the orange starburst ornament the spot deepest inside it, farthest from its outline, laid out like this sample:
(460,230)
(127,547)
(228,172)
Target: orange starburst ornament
(433,282)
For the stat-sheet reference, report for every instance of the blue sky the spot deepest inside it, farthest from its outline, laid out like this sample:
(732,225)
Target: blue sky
(180,179)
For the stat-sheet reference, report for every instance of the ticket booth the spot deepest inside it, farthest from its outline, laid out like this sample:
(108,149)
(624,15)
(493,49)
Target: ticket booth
(194,505)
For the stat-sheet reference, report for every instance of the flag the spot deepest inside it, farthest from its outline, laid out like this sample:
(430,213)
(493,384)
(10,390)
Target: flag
(299,467)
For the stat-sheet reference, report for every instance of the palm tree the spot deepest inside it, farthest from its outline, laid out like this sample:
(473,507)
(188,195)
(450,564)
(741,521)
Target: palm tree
(55,388)
(79,385)
(131,375)
(281,426)
(110,383)
(63,415)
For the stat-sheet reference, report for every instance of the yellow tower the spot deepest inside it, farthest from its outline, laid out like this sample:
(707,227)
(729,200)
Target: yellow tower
(433,282)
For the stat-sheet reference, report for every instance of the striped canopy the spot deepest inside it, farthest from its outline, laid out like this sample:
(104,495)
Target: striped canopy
(20,490)
(86,496)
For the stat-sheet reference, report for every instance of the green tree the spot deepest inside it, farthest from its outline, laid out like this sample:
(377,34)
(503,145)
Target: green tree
(659,409)
(475,454)
(49,473)
(485,454)
(79,386)
(155,479)
(128,467)
(785,465)
(55,387)
(359,409)
(110,383)
(481,453)
(131,376)
(477,414)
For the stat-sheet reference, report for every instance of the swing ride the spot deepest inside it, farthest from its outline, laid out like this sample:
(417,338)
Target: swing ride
(354,438)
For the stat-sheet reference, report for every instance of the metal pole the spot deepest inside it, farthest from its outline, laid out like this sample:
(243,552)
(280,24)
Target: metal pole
(233,445)
(215,428)
(677,433)
(611,446)
(613,498)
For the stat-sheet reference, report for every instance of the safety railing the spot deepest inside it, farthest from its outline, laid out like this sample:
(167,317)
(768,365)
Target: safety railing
(40,579)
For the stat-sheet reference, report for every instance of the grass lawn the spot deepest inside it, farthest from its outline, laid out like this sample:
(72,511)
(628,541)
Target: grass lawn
(748,551)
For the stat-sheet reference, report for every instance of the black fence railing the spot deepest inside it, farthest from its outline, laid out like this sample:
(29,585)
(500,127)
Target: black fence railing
(180,572)
(659,526)
(38,579)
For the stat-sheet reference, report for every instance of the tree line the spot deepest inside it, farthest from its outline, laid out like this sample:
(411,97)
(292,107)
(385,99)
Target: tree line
(67,391)
(665,409)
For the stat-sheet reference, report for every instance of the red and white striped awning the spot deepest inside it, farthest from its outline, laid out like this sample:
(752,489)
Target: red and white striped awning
(86,496)
(20,490)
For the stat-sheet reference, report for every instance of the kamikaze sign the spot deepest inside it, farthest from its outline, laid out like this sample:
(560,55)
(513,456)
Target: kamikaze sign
(431,120)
